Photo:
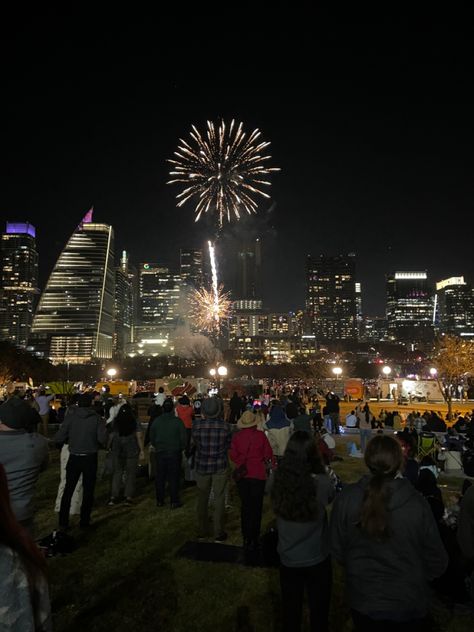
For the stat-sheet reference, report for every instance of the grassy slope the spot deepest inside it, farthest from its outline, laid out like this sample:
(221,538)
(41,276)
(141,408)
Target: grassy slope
(125,575)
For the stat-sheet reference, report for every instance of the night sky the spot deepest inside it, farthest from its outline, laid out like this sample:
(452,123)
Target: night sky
(371,124)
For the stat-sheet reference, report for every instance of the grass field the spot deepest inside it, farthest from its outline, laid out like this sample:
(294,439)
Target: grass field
(125,575)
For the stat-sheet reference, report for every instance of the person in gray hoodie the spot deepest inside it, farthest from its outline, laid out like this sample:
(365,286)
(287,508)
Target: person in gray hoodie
(385,536)
(85,433)
(23,453)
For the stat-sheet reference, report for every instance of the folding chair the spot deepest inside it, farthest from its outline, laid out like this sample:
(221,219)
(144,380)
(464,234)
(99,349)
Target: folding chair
(427,445)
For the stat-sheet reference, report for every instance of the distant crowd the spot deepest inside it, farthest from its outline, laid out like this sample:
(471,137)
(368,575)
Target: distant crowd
(391,531)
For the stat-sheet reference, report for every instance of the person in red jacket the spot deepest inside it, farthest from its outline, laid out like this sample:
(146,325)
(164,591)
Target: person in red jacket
(251,447)
(185,412)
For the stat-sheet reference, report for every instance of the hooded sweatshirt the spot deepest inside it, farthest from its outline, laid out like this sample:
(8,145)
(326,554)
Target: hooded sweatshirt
(84,430)
(388,579)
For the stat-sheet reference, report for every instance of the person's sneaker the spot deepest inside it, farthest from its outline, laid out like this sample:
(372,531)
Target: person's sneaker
(112,502)
(129,502)
(222,537)
(176,505)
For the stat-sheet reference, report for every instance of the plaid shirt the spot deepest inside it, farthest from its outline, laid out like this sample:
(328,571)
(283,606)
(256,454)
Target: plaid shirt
(212,438)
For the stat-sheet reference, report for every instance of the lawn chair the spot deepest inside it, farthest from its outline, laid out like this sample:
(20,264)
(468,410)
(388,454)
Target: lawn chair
(427,445)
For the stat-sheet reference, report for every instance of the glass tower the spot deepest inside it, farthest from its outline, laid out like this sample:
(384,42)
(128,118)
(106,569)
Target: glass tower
(331,301)
(74,321)
(409,307)
(18,282)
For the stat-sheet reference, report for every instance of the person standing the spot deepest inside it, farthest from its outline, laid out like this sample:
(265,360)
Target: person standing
(185,412)
(385,536)
(24,595)
(236,408)
(23,453)
(168,438)
(85,433)
(300,493)
(212,437)
(43,402)
(364,417)
(251,448)
(126,443)
(160,396)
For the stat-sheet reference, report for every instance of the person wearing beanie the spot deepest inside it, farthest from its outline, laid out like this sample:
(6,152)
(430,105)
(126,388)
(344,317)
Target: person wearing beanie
(212,436)
(23,453)
(85,433)
(278,430)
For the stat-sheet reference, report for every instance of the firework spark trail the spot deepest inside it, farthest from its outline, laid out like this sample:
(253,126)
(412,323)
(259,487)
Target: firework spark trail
(215,287)
(207,311)
(222,170)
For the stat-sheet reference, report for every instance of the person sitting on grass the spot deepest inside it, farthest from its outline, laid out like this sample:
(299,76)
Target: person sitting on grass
(300,494)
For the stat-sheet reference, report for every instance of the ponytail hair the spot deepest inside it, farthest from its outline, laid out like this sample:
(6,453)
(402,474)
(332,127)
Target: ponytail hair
(384,457)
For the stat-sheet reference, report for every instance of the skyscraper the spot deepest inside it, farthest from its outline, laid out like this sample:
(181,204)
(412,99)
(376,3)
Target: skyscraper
(454,307)
(409,307)
(249,269)
(124,304)
(331,297)
(74,321)
(160,291)
(18,282)
(190,267)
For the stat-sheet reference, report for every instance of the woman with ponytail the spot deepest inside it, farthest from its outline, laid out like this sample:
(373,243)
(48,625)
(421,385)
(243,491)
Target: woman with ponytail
(384,535)
(24,598)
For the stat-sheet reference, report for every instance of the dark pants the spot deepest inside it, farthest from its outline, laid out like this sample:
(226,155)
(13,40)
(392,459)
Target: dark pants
(251,491)
(363,623)
(77,465)
(168,469)
(316,581)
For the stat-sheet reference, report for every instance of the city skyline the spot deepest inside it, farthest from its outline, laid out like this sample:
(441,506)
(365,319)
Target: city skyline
(373,134)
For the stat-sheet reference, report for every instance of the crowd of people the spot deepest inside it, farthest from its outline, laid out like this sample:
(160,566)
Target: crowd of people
(390,531)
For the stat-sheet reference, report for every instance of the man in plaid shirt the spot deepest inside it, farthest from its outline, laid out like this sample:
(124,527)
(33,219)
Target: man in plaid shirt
(212,437)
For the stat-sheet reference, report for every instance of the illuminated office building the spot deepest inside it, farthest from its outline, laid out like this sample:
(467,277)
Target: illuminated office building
(409,307)
(331,302)
(124,305)
(190,267)
(160,293)
(74,321)
(454,307)
(18,282)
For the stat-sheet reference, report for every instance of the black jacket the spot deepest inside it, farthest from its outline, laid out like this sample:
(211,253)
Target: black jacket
(84,430)
(388,579)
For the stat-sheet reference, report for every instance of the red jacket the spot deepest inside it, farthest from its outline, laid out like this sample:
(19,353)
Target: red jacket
(186,414)
(251,446)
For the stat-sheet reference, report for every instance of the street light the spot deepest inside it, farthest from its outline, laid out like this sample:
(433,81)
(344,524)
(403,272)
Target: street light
(433,372)
(111,373)
(212,372)
(337,371)
(386,371)
(222,370)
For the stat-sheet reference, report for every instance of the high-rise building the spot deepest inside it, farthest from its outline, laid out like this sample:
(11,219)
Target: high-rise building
(123,305)
(190,266)
(409,307)
(18,282)
(454,307)
(331,297)
(249,270)
(160,292)
(74,321)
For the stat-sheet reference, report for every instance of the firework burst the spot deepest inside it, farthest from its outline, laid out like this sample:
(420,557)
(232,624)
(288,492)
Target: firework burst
(209,309)
(223,170)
